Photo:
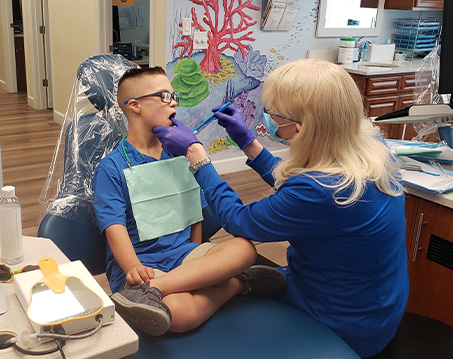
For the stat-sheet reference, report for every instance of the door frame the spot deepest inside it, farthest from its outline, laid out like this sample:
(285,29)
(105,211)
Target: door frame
(157,30)
(35,54)
(9,83)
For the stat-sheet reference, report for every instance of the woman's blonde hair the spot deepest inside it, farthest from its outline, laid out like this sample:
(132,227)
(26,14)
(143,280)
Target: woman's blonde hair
(335,138)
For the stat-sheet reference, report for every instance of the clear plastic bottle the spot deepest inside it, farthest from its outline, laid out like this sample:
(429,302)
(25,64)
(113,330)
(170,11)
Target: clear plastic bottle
(10,227)
(364,53)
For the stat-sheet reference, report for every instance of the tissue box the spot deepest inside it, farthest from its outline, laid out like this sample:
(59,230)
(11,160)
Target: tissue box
(381,52)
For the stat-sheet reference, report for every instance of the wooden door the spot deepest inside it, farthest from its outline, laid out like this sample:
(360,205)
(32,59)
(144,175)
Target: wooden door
(430,264)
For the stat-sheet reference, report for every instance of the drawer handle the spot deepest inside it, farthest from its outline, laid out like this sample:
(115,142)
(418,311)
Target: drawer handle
(417,238)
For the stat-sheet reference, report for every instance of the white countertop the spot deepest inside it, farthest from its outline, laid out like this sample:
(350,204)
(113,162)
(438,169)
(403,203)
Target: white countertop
(114,340)
(361,68)
(445,199)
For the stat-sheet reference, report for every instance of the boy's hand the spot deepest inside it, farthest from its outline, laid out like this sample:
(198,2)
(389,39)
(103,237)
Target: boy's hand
(175,139)
(139,275)
(231,118)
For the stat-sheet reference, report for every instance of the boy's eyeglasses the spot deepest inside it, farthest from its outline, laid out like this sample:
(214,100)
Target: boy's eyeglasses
(7,274)
(165,96)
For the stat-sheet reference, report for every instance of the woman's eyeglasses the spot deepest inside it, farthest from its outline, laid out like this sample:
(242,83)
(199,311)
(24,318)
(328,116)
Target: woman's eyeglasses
(7,274)
(281,116)
(165,97)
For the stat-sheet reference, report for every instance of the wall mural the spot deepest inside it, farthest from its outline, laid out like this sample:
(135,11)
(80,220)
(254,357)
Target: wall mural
(231,69)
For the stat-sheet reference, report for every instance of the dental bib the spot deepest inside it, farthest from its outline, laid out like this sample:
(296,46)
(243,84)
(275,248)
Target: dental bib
(165,197)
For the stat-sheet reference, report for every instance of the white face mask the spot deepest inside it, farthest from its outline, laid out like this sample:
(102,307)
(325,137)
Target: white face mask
(272,127)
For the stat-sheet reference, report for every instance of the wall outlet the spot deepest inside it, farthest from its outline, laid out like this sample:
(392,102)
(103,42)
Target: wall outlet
(187,26)
(200,40)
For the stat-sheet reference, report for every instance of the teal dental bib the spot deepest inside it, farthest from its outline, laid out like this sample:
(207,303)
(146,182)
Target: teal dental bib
(165,197)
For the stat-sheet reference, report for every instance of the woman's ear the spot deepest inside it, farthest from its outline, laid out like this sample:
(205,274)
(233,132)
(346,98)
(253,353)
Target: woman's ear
(298,127)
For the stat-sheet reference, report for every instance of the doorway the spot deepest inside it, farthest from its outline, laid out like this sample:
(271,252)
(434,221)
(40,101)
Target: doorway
(131,26)
(21,77)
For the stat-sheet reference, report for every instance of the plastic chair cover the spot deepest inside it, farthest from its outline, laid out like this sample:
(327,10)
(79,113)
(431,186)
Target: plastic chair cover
(92,127)
(426,92)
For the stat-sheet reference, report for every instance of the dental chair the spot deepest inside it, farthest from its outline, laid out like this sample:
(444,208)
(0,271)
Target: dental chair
(246,327)
(92,127)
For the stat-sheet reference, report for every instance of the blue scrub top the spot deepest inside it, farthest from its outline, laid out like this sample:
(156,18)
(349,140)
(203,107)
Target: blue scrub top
(113,206)
(347,265)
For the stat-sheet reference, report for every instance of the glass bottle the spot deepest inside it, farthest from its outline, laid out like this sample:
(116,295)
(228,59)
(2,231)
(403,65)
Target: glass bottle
(10,227)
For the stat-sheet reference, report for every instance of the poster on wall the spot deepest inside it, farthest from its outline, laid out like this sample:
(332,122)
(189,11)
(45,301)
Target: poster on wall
(233,66)
(123,2)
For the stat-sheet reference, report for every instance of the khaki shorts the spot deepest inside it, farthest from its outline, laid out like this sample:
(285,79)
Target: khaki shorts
(198,252)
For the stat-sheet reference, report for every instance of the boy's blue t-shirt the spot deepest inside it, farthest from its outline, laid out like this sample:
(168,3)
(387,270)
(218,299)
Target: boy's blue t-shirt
(113,206)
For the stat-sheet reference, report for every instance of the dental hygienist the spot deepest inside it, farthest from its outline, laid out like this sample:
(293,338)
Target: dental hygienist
(338,201)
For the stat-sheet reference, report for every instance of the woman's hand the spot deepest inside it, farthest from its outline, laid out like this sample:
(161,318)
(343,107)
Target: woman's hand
(175,139)
(231,118)
(139,274)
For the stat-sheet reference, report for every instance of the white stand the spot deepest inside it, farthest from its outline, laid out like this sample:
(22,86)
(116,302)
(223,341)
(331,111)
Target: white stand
(438,113)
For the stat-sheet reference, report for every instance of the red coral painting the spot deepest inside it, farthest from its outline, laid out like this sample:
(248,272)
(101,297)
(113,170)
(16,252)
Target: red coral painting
(227,25)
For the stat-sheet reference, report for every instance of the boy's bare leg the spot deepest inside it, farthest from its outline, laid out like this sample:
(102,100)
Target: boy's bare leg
(219,265)
(191,309)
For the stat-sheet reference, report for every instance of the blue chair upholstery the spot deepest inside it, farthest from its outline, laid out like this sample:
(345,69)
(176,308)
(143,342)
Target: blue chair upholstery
(250,327)
(446,134)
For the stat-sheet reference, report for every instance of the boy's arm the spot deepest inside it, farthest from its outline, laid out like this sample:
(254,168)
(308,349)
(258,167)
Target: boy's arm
(124,253)
(195,233)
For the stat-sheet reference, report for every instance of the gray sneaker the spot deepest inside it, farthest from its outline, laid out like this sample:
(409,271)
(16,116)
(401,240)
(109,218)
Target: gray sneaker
(142,306)
(262,279)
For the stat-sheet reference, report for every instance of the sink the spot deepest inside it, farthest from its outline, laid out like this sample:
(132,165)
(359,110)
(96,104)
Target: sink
(379,64)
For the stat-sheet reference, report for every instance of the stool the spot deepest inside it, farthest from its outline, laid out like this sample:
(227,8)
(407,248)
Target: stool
(419,337)
(254,326)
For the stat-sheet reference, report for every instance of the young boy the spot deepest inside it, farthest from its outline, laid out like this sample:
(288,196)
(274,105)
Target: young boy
(175,284)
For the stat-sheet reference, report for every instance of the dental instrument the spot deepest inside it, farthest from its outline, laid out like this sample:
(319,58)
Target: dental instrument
(196,130)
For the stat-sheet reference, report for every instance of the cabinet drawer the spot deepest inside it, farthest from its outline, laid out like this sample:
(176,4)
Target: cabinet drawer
(414,4)
(430,4)
(406,100)
(408,83)
(383,85)
(380,105)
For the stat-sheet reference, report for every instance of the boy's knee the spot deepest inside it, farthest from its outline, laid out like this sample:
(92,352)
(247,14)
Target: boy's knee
(246,249)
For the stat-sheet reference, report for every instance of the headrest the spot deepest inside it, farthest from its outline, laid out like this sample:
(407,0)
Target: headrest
(99,76)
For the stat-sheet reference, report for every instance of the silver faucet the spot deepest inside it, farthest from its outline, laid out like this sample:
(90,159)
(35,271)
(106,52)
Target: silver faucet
(360,45)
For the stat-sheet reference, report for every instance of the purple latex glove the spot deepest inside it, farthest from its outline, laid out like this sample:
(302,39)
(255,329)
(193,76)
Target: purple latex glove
(175,139)
(231,118)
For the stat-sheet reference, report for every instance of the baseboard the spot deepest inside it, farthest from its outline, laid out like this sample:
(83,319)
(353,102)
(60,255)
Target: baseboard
(236,164)
(58,117)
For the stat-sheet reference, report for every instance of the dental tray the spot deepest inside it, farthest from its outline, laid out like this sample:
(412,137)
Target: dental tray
(24,282)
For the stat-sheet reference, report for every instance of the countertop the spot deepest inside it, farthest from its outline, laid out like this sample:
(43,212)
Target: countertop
(445,199)
(114,340)
(398,67)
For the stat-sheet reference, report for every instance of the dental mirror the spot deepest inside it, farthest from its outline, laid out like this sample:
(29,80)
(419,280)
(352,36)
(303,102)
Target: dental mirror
(58,298)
